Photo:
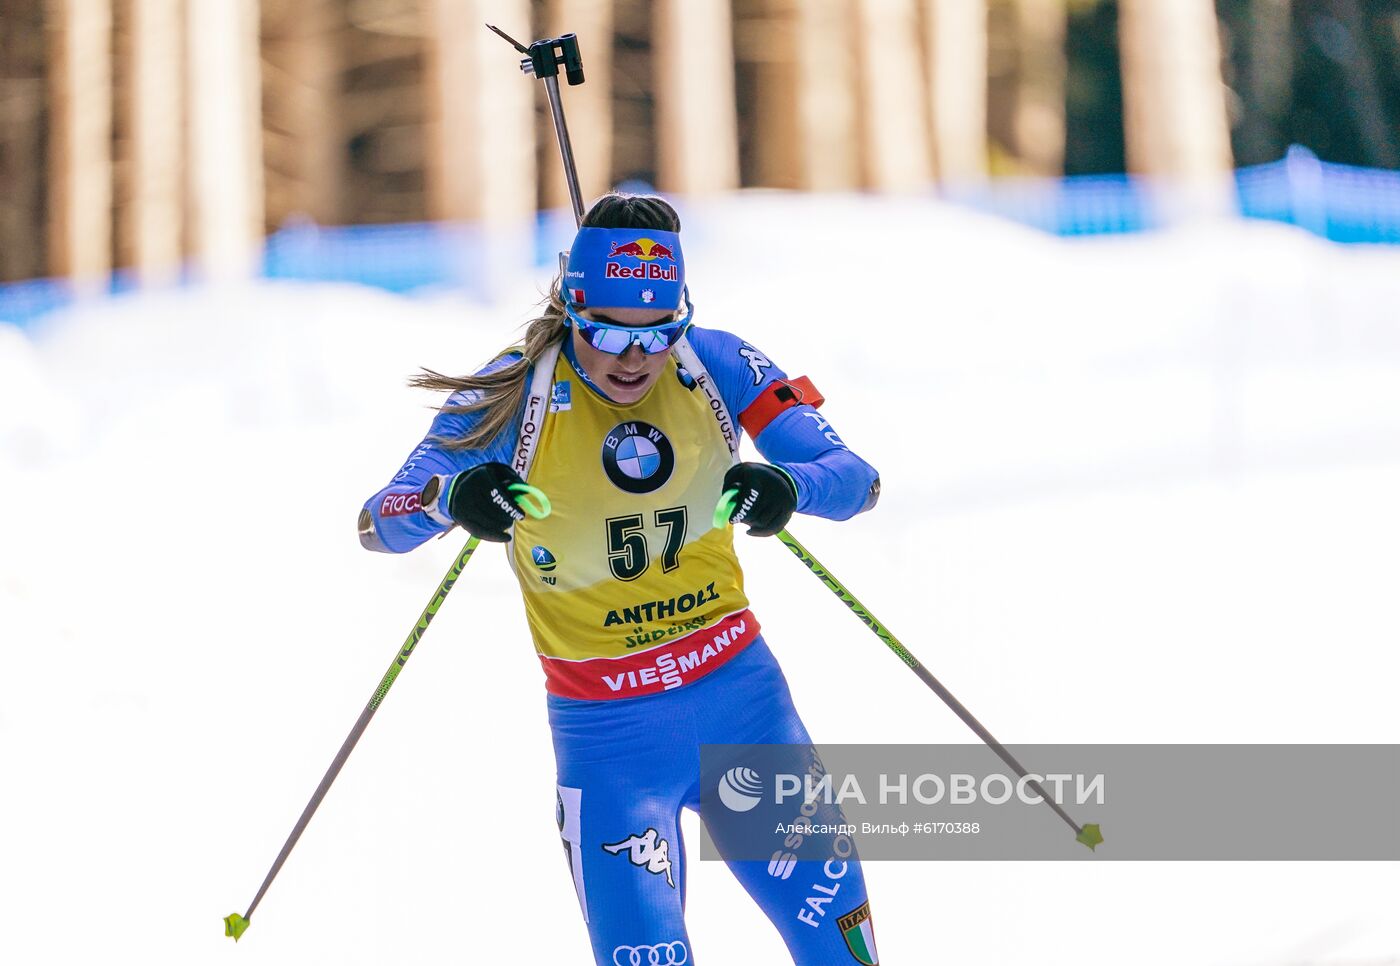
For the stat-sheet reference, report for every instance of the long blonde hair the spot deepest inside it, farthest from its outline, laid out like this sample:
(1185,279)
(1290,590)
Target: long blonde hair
(498,395)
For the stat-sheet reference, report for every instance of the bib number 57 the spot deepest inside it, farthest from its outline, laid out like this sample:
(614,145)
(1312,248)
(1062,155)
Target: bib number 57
(629,555)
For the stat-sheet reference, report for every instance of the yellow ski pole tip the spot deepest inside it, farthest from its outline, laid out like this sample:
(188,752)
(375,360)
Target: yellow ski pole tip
(234,925)
(1090,836)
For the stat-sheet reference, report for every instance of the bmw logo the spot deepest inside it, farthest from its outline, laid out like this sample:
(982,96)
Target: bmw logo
(638,457)
(544,560)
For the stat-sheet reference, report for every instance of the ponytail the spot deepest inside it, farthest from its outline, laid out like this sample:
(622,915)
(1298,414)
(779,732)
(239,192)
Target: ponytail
(498,395)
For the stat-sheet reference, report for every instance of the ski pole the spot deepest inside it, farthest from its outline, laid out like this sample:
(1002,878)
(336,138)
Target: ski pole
(235,924)
(1088,834)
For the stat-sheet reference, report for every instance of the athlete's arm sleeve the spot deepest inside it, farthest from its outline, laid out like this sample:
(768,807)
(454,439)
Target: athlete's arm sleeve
(393,520)
(832,481)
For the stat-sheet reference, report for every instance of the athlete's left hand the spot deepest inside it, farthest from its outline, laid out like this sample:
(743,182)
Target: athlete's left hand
(765,500)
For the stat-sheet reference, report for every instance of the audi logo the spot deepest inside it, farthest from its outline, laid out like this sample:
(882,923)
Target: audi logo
(662,954)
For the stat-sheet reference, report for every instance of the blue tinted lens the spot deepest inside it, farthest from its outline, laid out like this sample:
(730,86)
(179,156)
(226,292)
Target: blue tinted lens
(616,339)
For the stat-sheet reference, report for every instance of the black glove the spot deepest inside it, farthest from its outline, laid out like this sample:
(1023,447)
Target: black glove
(766,498)
(482,503)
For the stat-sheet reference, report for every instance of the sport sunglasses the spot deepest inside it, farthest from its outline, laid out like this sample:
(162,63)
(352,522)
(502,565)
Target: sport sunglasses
(617,339)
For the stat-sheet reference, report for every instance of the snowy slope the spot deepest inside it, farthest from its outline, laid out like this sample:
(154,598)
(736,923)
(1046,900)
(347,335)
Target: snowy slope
(1135,490)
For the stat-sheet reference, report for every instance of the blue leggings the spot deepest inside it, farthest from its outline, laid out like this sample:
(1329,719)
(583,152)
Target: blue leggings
(625,770)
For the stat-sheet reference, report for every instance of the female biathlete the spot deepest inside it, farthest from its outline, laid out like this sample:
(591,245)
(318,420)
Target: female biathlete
(626,416)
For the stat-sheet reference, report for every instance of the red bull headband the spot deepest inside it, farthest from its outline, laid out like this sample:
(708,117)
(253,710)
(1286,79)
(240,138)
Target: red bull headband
(625,268)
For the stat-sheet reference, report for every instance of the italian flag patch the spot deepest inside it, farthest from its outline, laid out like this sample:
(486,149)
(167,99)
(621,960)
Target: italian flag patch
(859,931)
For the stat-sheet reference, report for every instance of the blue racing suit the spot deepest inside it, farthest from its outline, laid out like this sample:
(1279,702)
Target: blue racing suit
(627,765)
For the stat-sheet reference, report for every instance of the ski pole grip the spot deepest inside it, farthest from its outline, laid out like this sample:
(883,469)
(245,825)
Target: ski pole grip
(725,508)
(532,500)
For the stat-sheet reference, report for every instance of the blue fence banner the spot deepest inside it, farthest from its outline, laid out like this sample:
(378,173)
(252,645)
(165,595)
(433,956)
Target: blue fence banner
(1340,203)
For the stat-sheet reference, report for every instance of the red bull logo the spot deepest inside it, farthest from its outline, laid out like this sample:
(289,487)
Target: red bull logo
(643,248)
(652,272)
(650,253)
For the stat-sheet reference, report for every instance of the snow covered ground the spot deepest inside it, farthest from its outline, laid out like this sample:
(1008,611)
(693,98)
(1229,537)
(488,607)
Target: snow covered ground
(1140,489)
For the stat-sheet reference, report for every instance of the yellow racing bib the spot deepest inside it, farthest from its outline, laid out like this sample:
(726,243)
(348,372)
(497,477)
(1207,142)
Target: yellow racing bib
(629,589)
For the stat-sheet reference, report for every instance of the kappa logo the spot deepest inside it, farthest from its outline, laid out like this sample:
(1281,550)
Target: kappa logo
(637,457)
(757,362)
(647,851)
(672,953)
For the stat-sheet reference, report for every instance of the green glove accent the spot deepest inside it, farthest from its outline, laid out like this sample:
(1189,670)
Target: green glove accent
(539,507)
(790,479)
(1090,836)
(725,508)
(234,925)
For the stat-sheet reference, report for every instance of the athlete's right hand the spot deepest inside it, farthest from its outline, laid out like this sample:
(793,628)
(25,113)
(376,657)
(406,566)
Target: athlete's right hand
(483,502)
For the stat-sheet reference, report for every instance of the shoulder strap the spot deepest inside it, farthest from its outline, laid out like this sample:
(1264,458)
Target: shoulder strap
(532,421)
(541,384)
(690,361)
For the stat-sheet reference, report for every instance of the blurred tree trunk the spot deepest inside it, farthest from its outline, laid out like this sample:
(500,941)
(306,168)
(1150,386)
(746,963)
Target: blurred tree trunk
(22,122)
(893,118)
(481,154)
(225,136)
(150,214)
(303,150)
(957,71)
(481,133)
(697,126)
(80,140)
(1265,47)
(798,108)
(1031,74)
(1040,115)
(634,85)
(588,107)
(383,92)
(1373,129)
(826,105)
(1175,121)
